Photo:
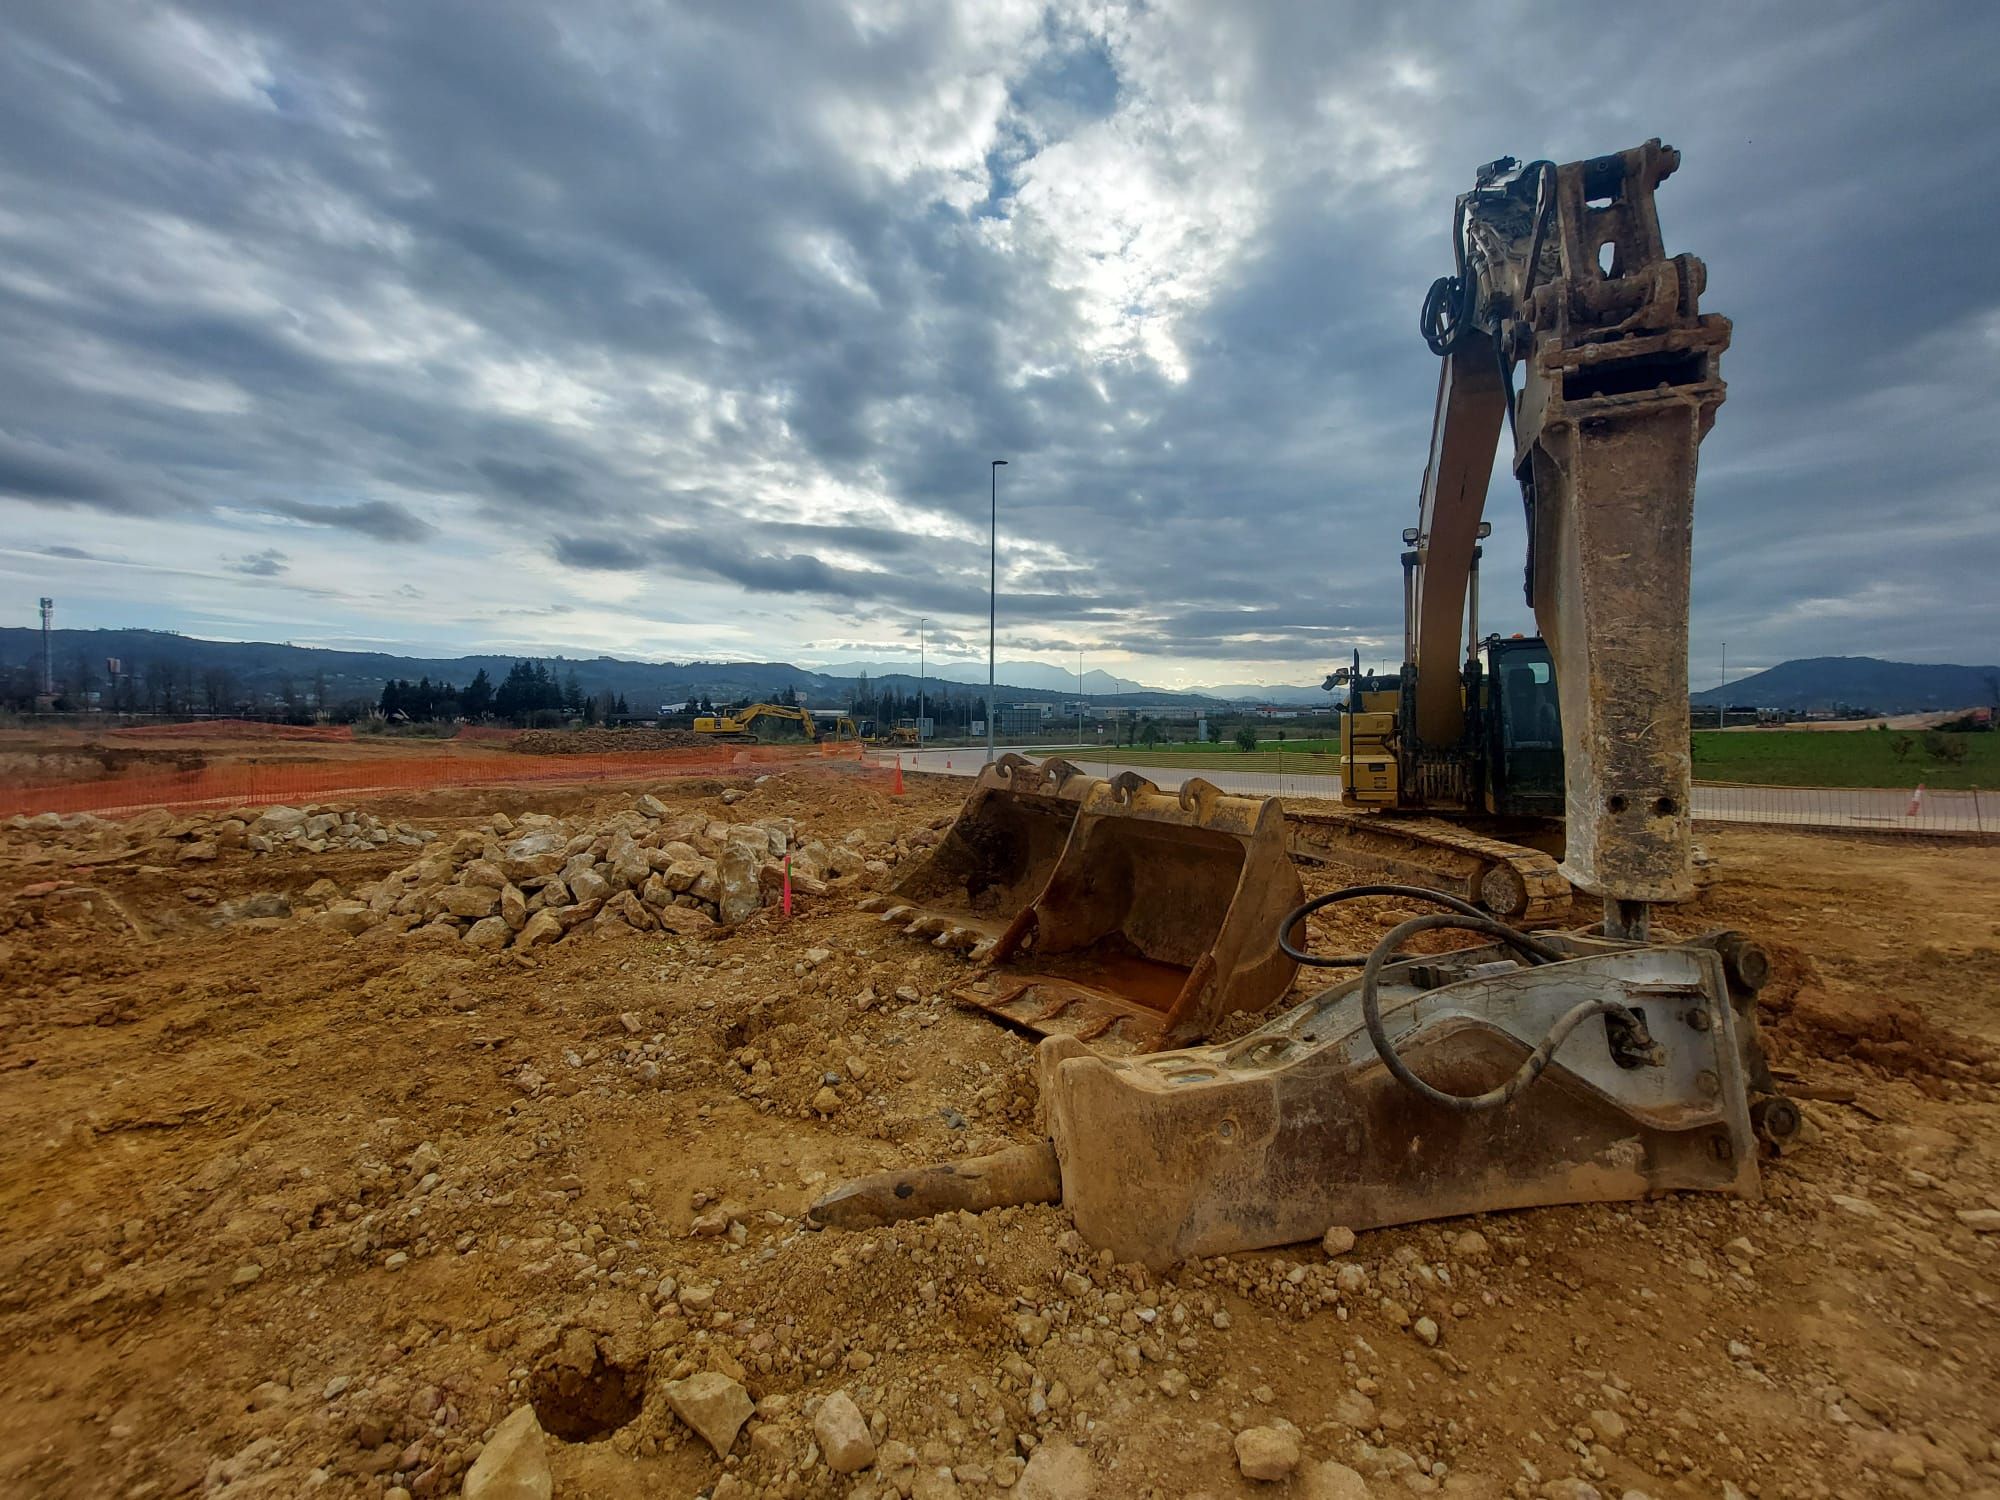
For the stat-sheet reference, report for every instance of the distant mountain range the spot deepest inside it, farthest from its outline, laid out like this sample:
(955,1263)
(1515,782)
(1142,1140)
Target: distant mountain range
(1292,694)
(1033,676)
(1890,687)
(1820,682)
(265,667)
(1042,677)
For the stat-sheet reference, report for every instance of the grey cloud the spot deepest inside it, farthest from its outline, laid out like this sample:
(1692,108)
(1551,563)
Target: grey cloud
(623,282)
(383,520)
(43,473)
(606,554)
(266,564)
(539,483)
(877,541)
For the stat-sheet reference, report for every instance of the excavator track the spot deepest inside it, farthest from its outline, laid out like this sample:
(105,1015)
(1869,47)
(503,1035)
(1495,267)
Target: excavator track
(1519,885)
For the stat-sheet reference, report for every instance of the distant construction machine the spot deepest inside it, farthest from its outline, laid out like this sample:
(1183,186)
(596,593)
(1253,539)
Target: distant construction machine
(1610,1062)
(739,727)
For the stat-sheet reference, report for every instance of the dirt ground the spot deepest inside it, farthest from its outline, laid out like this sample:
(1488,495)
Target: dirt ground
(289,1211)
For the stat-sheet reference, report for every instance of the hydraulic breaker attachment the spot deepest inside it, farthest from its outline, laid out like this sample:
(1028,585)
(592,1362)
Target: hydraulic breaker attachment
(1558,1068)
(1302,1124)
(1107,909)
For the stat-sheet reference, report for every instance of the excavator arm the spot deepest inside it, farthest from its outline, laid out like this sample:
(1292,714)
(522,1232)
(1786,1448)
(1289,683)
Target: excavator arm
(1562,276)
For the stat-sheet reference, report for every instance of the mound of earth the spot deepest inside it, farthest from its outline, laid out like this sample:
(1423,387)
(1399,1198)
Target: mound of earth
(603,741)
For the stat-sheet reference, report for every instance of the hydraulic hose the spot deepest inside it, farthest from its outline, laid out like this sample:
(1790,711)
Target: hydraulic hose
(1465,917)
(1296,919)
(1527,1073)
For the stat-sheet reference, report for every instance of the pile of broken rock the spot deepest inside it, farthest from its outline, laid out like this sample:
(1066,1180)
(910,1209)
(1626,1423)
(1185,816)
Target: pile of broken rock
(196,838)
(524,882)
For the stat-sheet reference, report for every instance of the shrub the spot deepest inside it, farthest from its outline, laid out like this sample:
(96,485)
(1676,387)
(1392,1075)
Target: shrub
(1946,749)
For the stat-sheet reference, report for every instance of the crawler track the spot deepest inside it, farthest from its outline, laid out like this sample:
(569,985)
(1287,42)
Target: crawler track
(1521,885)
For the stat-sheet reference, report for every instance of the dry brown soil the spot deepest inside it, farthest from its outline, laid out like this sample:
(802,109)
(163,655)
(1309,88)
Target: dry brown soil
(288,1212)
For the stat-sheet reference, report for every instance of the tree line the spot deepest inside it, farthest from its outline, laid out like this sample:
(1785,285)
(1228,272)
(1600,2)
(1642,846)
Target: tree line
(530,693)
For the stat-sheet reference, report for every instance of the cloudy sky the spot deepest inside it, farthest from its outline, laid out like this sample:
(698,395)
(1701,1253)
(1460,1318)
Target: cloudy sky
(688,330)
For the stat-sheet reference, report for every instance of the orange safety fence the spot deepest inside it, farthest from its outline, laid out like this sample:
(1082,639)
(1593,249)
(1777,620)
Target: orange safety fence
(251,783)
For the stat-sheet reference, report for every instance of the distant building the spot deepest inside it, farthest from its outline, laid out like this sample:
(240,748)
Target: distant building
(1024,719)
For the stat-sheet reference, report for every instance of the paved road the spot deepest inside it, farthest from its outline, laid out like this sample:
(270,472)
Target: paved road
(1805,807)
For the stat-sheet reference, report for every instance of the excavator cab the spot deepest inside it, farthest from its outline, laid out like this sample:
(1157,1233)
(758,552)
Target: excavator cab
(1507,761)
(1521,722)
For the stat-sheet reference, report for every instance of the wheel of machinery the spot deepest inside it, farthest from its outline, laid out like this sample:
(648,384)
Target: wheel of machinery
(1503,892)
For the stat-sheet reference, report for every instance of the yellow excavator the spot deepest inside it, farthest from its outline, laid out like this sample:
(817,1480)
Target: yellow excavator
(739,726)
(1609,1062)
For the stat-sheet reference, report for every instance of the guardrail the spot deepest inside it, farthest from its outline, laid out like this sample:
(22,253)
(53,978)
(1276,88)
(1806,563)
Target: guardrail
(1851,808)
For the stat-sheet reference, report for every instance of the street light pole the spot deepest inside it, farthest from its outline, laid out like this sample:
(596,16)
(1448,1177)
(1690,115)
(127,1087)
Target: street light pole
(921,621)
(992,589)
(1079,695)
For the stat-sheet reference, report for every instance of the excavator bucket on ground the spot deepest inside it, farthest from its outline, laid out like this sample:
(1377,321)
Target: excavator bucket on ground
(1107,909)
(995,858)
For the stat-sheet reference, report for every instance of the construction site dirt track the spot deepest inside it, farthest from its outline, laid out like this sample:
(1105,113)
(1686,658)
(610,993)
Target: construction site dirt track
(290,1211)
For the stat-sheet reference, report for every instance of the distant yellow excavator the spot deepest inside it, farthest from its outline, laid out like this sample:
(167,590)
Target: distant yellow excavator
(738,726)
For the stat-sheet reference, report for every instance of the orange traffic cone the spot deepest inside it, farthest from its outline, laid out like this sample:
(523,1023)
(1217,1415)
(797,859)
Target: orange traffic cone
(896,788)
(1916,802)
